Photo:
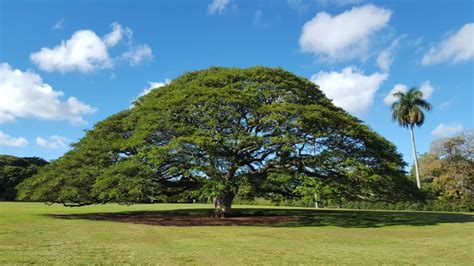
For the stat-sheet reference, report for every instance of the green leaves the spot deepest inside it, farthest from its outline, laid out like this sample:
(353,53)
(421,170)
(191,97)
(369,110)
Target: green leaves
(224,130)
(449,168)
(408,110)
(14,170)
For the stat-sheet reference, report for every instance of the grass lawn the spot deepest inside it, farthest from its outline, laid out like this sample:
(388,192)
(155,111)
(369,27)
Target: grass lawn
(183,233)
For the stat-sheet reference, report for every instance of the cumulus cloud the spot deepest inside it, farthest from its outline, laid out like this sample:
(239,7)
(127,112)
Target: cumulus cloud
(7,140)
(53,142)
(385,58)
(153,85)
(24,94)
(457,48)
(350,89)
(4,117)
(137,54)
(390,98)
(117,34)
(217,6)
(85,52)
(426,88)
(446,130)
(343,36)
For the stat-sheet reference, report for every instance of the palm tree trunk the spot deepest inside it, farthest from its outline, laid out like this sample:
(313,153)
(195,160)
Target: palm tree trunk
(418,183)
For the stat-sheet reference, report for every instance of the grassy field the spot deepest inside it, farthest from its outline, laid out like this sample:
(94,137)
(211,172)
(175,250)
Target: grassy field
(183,234)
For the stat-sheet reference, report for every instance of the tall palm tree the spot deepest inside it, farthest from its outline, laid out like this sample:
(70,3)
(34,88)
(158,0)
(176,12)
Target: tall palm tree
(408,112)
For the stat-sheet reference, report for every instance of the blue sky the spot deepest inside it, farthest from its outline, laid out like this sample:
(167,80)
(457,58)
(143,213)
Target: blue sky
(64,65)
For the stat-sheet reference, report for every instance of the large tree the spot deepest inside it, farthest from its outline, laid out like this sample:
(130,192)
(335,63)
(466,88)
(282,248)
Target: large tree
(13,170)
(449,168)
(220,132)
(408,112)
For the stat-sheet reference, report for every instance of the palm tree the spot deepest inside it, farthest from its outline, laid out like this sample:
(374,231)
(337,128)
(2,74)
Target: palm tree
(408,112)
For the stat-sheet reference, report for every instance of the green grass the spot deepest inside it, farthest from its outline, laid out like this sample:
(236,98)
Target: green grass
(36,233)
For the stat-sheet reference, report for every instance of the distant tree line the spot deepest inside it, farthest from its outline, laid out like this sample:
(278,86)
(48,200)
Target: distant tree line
(13,170)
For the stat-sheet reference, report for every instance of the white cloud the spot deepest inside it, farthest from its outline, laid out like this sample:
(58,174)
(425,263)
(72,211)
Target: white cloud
(85,52)
(53,142)
(343,36)
(298,5)
(7,140)
(385,58)
(445,105)
(116,35)
(426,88)
(457,48)
(58,25)
(338,2)
(302,6)
(259,19)
(446,130)
(137,54)
(153,85)
(25,95)
(390,98)
(217,6)
(350,89)
(4,117)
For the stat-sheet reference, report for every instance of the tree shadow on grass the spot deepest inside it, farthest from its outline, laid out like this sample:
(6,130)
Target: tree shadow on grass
(276,218)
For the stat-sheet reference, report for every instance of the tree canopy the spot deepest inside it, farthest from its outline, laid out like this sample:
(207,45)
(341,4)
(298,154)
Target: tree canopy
(222,132)
(13,170)
(449,168)
(408,110)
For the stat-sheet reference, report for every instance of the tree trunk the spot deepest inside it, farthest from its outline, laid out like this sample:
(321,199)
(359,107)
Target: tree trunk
(223,204)
(418,183)
(316,205)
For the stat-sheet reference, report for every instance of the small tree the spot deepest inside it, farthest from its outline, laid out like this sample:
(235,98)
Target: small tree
(221,132)
(408,112)
(450,167)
